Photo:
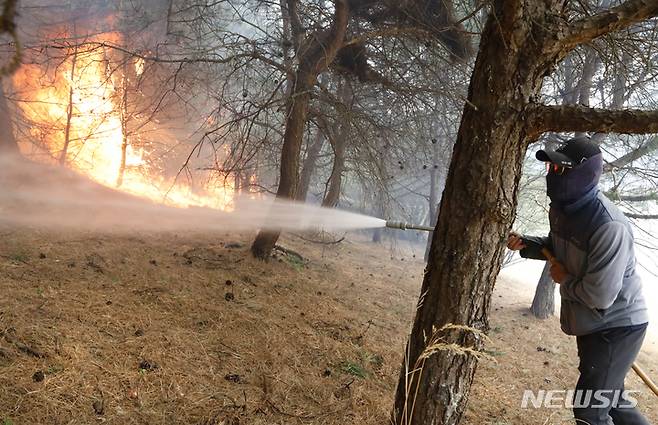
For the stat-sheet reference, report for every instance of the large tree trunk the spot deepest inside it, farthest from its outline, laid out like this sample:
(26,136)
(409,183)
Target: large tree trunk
(292,141)
(479,201)
(332,194)
(315,55)
(543,304)
(477,210)
(8,143)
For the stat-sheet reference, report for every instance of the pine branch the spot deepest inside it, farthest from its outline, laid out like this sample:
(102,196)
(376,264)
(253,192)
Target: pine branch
(614,19)
(567,118)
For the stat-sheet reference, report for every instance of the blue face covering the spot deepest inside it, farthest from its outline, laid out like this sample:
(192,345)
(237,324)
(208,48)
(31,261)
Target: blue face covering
(576,182)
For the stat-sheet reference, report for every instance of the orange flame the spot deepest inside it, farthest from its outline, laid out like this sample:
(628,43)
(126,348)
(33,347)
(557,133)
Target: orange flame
(77,116)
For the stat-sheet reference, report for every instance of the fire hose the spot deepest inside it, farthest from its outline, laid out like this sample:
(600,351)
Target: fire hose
(551,259)
(638,370)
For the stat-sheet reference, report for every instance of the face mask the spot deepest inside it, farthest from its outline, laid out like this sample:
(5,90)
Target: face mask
(575,182)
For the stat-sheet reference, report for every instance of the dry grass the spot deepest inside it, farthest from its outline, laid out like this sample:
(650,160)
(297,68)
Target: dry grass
(189,329)
(229,338)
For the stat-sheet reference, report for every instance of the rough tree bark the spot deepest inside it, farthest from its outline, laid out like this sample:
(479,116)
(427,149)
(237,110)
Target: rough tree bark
(543,304)
(479,201)
(314,55)
(582,118)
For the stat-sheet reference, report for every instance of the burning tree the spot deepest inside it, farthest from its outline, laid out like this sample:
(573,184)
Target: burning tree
(91,96)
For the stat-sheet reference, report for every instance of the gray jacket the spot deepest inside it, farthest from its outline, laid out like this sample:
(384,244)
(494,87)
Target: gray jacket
(594,241)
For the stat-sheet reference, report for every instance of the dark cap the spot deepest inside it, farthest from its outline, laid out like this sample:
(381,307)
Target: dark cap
(570,154)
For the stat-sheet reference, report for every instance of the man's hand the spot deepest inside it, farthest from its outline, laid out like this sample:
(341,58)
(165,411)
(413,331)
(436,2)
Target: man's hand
(558,273)
(515,242)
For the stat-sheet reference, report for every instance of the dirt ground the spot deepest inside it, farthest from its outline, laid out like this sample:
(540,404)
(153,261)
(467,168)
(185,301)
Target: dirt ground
(189,329)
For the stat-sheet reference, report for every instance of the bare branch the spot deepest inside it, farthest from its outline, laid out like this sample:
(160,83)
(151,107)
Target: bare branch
(642,216)
(91,45)
(633,155)
(614,19)
(614,195)
(565,118)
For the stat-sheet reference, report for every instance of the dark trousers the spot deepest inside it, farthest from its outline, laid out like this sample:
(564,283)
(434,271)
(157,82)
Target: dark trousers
(605,358)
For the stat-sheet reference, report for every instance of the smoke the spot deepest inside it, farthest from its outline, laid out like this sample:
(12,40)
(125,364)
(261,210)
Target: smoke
(48,196)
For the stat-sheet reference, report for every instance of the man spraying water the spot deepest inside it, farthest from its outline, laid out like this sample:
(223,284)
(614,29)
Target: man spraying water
(593,260)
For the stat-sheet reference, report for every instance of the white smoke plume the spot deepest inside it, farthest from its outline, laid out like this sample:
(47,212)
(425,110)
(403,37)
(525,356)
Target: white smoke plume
(48,196)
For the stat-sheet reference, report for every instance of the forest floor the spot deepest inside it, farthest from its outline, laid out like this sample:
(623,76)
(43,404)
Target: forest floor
(190,329)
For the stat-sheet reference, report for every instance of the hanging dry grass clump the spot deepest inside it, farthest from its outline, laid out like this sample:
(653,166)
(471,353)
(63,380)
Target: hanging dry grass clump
(434,344)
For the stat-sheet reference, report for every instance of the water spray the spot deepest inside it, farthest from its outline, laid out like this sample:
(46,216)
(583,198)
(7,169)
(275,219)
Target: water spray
(406,226)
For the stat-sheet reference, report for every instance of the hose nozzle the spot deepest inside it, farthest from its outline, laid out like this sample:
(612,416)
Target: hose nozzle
(406,226)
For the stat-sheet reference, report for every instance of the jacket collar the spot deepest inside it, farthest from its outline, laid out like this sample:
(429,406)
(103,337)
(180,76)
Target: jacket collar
(579,203)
